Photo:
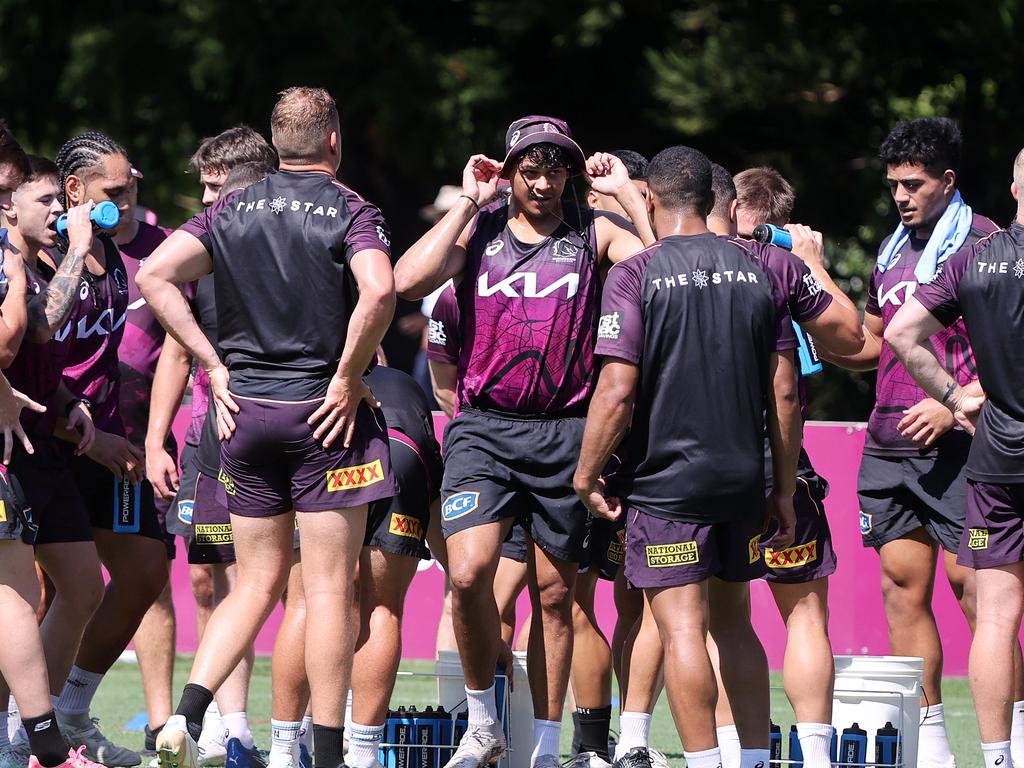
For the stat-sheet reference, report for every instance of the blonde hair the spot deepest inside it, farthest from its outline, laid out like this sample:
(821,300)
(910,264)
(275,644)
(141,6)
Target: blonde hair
(301,122)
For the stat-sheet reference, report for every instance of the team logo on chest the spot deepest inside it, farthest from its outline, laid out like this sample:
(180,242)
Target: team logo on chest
(494,247)
(524,285)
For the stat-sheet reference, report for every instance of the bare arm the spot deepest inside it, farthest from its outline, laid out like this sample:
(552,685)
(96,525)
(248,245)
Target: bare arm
(169,383)
(607,421)
(867,358)
(13,310)
(606,174)
(443,381)
(908,334)
(785,433)
(441,253)
(366,327)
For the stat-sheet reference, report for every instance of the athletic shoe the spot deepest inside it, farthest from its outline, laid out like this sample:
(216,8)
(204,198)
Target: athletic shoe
(239,756)
(306,759)
(658,760)
(479,746)
(175,747)
(76,759)
(587,760)
(376,763)
(15,755)
(82,729)
(637,757)
(213,748)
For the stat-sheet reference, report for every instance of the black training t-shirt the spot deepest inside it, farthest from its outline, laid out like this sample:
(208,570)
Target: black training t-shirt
(984,283)
(700,317)
(281,251)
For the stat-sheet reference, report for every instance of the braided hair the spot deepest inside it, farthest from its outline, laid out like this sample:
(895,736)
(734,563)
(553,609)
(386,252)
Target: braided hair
(83,151)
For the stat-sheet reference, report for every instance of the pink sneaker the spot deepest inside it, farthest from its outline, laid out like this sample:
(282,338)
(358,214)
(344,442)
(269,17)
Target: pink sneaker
(76,759)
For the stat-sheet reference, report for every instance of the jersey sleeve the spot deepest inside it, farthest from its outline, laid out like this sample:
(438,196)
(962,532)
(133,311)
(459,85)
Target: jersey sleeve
(444,342)
(200,226)
(620,330)
(367,231)
(807,296)
(940,295)
(871,306)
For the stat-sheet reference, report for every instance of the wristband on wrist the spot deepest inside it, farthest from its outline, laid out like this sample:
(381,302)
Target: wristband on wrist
(474,202)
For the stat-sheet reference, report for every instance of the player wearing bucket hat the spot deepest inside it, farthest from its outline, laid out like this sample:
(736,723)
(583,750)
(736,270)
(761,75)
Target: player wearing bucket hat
(528,279)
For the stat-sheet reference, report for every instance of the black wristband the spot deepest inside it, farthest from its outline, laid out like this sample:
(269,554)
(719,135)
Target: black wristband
(474,202)
(74,402)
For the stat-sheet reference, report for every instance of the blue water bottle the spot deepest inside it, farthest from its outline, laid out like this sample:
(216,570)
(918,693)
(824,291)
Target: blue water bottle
(459,727)
(887,741)
(775,746)
(423,734)
(769,234)
(796,752)
(386,754)
(500,685)
(853,746)
(104,216)
(444,734)
(401,736)
(833,748)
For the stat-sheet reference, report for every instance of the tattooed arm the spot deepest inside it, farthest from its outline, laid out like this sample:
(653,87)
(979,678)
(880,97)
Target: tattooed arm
(62,292)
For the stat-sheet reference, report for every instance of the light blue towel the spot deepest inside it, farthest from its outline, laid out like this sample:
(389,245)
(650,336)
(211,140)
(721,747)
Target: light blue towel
(947,238)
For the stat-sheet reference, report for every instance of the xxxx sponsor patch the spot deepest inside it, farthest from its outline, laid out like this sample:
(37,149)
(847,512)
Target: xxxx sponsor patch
(801,554)
(977,538)
(360,476)
(403,525)
(669,555)
(214,533)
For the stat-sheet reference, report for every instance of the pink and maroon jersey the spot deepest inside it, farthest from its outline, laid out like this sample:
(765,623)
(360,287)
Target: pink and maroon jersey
(94,331)
(528,317)
(895,388)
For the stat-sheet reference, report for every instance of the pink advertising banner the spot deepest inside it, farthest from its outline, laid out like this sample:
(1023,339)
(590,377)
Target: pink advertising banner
(856,624)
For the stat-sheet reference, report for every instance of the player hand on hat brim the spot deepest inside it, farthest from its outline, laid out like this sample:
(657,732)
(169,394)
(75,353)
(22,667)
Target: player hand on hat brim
(11,407)
(780,509)
(605,173)
(926,421)
(162,471)
(337,414)
(599,505)
(808,244)
(224,404)
(480,179)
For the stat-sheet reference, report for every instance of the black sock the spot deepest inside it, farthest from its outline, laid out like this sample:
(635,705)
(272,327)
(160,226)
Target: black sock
(45,740)
(594,724)
(576,738)
(328,746)
(151,737)
(194,701)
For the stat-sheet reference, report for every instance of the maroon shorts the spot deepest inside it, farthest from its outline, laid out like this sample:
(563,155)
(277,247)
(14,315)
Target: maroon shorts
(669,553)
(811,556)
(994,533)
(212,539)
(273,465)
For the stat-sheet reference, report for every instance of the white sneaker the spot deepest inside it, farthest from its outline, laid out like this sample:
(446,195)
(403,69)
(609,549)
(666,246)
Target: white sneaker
(175,747)
(213,747)
(658,759)
(586,760)
(81,729)
(478,747)
(281,761)
(349,762)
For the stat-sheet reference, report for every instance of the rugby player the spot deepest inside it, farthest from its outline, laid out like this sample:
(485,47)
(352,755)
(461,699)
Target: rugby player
(912,488)
(304,440)
(981,287)
(683,525)
(527,284)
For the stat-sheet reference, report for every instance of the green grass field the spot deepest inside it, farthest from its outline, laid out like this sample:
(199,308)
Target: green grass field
(120,699)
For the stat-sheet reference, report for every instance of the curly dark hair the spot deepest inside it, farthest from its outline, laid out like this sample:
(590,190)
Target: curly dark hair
(931,142)
(547,155)
(636,164)
(681,178)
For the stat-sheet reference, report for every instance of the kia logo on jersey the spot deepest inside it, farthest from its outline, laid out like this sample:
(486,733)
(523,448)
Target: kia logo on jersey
(524,285)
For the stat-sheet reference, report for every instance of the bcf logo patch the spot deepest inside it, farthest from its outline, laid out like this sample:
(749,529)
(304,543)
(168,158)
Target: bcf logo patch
(459,504)
(359,476)
(865,523)
(403,525)
(185,509)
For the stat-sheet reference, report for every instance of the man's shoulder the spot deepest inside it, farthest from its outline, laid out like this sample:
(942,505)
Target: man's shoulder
(982,226)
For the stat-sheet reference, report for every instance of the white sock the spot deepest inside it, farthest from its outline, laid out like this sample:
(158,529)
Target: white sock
(284,735)
(1017,733)
(634,731)
(709,758)
(729,746)
(815,743)
(237,725)
(5,738)
(363,743)
(212,721)
(996,754)
(749,758)
(306,734)
(348,711)
(933,742)
(546,734)
(483,709)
